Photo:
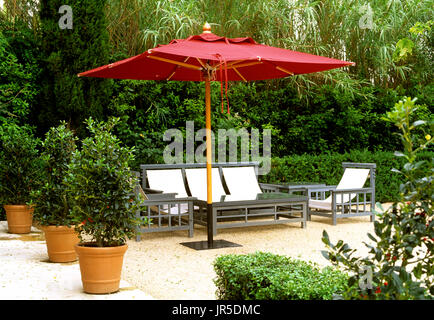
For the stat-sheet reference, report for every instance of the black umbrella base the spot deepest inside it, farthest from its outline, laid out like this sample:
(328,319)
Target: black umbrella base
(203,245)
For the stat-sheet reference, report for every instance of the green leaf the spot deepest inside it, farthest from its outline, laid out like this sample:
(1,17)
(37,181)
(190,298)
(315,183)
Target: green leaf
(370,236)
(325,237)
(404,48)
(418,123)
(399,154)
(325,254)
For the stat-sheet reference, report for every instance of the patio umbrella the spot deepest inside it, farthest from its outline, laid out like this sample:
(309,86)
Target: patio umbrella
(208,57)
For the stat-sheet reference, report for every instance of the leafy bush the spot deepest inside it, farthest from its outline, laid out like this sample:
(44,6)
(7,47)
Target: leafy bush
(51,198)
(17,86)
(267,276)
(101,185)
(20,165)
(399,264)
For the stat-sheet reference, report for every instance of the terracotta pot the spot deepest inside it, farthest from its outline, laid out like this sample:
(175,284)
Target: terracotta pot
(61,241)
(19,218)
(100,267)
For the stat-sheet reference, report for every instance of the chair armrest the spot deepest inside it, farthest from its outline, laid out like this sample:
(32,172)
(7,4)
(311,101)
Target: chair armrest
(359,190)
(269,187)
(162,196)
(166,201)
(322,188)
(149,190)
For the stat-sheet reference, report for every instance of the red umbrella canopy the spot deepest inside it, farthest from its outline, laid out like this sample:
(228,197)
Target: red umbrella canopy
(223,59)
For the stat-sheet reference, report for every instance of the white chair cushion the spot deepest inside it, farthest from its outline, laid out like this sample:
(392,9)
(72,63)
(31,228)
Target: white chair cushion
(242,182)
(197,183)
(167,180)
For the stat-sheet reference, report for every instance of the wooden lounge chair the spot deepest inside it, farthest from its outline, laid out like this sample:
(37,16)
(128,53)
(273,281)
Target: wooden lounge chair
(349,198)
(165,210)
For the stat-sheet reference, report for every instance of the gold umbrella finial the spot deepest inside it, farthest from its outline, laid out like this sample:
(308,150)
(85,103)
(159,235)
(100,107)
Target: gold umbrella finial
(206,28)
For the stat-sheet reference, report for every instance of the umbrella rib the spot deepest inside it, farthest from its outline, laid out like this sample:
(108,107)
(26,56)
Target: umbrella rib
(245,64)
(238,73)
(284,70)
(182,64)
(228,64)
(174,70)
(201,63)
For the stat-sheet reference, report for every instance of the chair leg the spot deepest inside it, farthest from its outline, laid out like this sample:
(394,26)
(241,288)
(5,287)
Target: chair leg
(334,218)
(190,220)
(372,212)
(334,208)
(305,215)
(214,216)
(138,233)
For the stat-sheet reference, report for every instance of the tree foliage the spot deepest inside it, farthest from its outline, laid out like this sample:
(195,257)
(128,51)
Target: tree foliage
(17,88)
(67,52)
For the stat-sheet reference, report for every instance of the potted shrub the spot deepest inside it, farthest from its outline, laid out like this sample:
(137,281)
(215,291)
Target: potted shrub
(101,185)
(52,199)
(19,171)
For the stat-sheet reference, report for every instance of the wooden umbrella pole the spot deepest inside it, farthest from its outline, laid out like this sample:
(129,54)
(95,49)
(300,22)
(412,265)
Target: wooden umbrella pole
(210,220)
(208,140)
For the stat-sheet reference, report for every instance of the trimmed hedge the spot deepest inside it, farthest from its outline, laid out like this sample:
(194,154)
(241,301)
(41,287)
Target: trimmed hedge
(327,168)
(267,276)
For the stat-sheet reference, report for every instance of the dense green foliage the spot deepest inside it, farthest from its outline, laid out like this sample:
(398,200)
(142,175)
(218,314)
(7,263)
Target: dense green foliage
(400,260)
(65,53)
(363,32)
(330,121)
(326,113)
(101,186)
(266,276)
(317,121)
(18,89)
(20,165)
(51,197)
(327,168)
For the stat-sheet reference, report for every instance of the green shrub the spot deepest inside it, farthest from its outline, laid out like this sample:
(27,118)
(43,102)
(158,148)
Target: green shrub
(52,198)
(101,186)
(17,85)
(20,165)
(266,276)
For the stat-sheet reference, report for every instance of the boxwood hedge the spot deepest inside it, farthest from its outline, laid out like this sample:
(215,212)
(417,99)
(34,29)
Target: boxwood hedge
(267,276)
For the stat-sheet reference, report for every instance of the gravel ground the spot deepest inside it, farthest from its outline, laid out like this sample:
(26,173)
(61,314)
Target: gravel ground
(27,274)
(162,267)
(159,266)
